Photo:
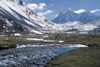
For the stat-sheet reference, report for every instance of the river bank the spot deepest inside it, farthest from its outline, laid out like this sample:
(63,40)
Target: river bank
(82,57)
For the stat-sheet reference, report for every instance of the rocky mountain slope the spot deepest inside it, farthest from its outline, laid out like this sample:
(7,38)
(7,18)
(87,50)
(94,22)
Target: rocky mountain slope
(8,26)
(16,11)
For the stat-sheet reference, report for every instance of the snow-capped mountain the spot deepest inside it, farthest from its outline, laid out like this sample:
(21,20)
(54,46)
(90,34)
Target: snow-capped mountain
(16,11)
(67,15)
(17,14)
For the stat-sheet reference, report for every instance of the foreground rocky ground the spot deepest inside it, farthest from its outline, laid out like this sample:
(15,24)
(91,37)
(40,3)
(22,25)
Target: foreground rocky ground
(32,55)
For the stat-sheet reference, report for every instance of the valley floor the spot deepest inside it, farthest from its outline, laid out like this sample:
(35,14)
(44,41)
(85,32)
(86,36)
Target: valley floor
(50,39)
(83,57)
(11,41)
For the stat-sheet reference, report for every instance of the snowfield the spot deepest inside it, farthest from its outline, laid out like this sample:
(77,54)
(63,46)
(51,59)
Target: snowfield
(32,55)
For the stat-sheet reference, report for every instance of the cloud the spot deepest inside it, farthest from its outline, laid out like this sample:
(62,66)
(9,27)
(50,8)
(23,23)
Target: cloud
(41,6)
(94,10)
(34,6)
(52,4)
(80,11)
(27,0)
(56,15)
(45,13)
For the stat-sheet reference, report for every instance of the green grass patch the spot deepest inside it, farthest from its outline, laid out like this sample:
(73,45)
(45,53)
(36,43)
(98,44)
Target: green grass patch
(83,57)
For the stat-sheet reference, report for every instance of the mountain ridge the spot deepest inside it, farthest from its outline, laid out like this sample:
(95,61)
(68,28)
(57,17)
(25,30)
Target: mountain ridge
(67,15)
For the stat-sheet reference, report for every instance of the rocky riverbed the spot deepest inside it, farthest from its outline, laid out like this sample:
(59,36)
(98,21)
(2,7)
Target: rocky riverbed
(33,55)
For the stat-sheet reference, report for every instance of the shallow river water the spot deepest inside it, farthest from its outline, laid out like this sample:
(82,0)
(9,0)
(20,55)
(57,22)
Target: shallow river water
(32,55)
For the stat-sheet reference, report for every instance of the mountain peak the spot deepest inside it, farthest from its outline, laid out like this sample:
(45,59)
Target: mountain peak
(68,15)
(66,11)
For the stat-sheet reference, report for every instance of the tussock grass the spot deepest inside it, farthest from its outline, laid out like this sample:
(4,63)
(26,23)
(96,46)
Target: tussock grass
(83,57)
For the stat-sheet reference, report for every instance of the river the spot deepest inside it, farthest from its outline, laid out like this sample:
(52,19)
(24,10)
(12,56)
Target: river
(33,55)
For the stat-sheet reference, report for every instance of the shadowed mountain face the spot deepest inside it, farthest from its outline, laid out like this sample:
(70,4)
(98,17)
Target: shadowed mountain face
(20,2)
(69,15)
(10,26)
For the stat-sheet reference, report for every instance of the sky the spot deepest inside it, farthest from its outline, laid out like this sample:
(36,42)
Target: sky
(50,8)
